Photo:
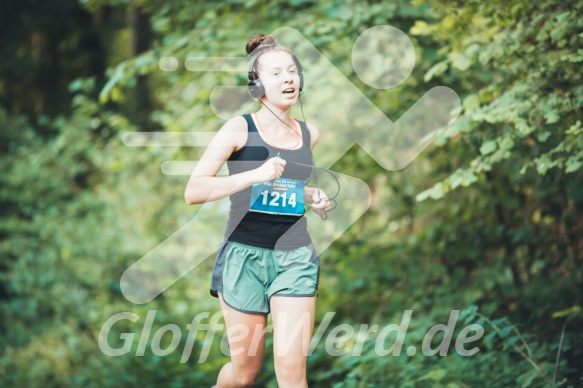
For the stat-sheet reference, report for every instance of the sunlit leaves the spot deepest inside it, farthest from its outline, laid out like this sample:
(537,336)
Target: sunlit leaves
(435,70)
(488,147)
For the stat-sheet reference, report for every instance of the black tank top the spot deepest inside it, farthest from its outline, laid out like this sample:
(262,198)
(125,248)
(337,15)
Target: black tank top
(261,229)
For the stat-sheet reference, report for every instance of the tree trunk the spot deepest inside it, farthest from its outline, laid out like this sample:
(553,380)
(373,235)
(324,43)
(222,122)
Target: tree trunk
(141,37)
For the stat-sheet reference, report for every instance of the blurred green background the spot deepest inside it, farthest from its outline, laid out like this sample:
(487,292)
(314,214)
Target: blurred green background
(487,220)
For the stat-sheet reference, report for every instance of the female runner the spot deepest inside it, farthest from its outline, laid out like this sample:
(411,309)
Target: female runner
(267,262)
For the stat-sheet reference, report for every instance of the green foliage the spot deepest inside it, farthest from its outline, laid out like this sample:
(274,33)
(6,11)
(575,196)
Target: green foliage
(529,110)
(486,221)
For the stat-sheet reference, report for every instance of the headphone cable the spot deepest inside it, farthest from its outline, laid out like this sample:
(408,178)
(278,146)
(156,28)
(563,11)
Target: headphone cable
(329,199)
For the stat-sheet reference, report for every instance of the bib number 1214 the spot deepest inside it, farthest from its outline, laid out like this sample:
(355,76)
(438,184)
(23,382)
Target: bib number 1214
(282,196)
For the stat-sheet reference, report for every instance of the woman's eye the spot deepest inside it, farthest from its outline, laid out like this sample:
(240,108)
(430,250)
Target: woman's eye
(276,74)
(292,71)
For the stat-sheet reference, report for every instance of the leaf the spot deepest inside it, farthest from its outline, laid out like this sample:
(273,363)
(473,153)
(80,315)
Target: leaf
(435,70)
(499,321)
(575,129)
(506,143)
(435,375)
(523,127)
(455,179)
(76,85)
(468,178)
(463,314)
(526,379)
(437,191)
(563,17)
(111,83)
(543,164)
(573,166)
(490,336)
(460,61)
(464,124)
(505,331)
(488,147)
(573,310)
(552,117)
(543,136)
(472,102)
(513,340)
(536,216)
(420,28)
(422,196)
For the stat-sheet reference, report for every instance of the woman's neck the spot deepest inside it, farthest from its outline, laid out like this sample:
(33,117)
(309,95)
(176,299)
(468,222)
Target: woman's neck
(274,118)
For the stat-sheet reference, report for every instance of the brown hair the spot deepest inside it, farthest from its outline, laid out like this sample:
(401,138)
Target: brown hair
(262,43)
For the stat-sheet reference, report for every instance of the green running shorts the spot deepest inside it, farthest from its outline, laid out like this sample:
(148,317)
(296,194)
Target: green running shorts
(247,276)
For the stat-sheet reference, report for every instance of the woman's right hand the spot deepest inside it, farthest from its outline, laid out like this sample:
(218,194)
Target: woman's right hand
(271,170)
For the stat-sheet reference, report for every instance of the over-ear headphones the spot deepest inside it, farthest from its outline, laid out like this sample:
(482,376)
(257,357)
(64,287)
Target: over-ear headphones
(256,88)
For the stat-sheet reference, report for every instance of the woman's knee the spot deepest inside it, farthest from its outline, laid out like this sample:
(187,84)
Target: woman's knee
(246,376)
(290,368)
(246,379)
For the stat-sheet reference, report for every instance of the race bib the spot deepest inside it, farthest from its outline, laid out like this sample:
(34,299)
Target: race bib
(282,196)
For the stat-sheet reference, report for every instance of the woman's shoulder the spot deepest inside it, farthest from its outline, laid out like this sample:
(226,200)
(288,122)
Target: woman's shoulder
(235,124)
(312,131)
(314,134)
(234,132)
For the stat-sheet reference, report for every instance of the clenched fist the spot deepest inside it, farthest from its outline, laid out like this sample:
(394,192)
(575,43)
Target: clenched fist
(320,202)
(271,169)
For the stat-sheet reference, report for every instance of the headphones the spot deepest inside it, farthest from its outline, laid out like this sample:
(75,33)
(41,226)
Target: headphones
(256,88)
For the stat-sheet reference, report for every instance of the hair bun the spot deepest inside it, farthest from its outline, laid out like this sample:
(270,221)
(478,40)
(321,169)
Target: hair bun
(260,42)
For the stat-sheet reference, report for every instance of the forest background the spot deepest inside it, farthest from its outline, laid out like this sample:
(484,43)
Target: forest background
(487,220)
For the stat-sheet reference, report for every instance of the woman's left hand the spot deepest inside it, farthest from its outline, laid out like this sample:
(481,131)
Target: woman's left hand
(320,202)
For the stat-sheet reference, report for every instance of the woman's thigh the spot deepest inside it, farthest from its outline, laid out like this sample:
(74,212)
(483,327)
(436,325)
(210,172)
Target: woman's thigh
(246,334)
(293,323)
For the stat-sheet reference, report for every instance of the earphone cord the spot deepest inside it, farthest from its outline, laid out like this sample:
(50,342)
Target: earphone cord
(277,117)
(330,199)
(333,198)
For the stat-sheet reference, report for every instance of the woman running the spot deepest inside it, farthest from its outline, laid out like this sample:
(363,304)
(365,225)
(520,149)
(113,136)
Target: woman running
(267,262)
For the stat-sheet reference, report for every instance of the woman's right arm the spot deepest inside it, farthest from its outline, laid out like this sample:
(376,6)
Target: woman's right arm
(204,186)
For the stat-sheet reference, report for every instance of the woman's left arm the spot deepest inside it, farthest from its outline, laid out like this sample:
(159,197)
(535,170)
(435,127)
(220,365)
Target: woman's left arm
(312,195)
(314,137)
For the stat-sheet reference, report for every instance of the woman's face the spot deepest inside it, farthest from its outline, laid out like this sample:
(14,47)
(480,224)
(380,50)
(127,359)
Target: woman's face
(279,74)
